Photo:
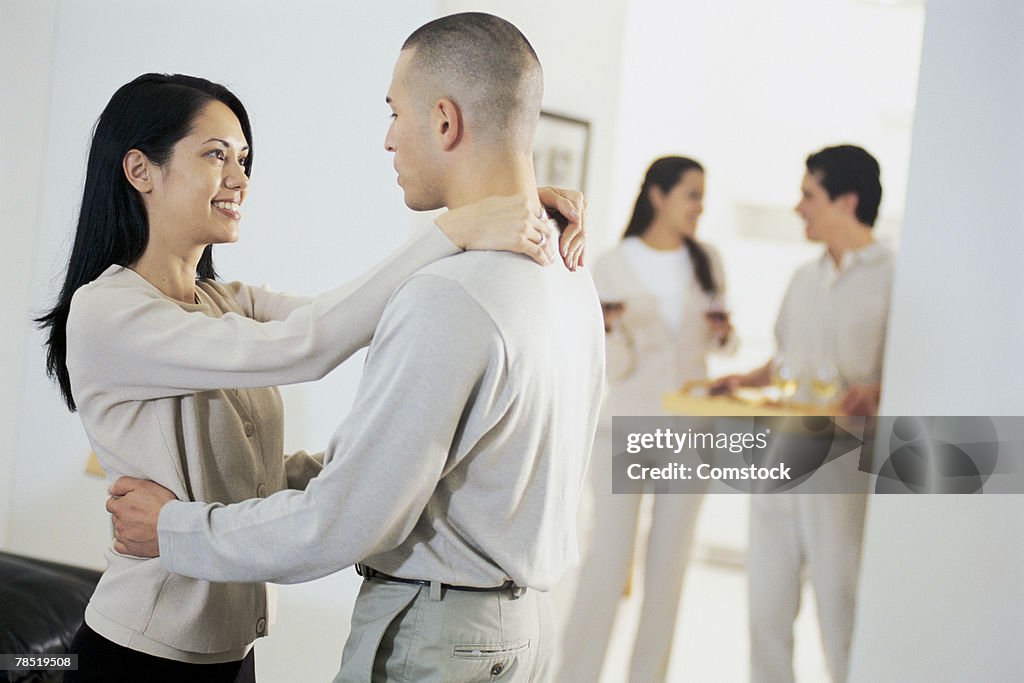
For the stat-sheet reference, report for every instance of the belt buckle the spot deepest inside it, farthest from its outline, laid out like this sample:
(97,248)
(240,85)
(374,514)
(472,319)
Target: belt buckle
(518,592)
(364,571)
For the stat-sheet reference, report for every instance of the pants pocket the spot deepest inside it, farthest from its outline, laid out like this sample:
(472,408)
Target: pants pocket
(489,650)
(498,660)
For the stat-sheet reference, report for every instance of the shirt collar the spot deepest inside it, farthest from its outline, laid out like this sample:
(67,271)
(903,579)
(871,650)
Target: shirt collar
(851,257)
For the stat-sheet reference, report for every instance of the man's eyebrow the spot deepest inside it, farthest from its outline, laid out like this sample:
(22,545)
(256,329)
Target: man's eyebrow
(225,143)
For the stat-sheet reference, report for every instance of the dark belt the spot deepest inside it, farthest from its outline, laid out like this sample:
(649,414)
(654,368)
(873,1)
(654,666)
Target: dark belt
(369,573)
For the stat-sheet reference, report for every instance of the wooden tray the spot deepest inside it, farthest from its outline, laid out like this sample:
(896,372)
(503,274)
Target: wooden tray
(744,403)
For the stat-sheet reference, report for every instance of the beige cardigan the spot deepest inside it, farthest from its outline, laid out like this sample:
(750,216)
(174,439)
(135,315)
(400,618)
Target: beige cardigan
(183,394)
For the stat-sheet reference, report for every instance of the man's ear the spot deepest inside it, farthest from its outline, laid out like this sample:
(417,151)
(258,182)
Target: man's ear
(448,123)
(849,202)
(139,171)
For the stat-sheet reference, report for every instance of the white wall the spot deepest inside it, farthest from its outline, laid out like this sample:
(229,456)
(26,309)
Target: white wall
(751,87)
(26,49)
(940,596)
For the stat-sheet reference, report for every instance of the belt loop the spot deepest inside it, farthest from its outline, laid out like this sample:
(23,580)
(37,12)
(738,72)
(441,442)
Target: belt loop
(435,591)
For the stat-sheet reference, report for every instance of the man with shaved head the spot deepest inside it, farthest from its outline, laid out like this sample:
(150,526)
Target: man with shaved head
(453,483)
(492,68)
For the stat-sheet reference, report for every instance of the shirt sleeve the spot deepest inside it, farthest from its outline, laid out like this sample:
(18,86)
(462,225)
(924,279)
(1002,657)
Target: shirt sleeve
(425,369)
(264,304)
(146,347)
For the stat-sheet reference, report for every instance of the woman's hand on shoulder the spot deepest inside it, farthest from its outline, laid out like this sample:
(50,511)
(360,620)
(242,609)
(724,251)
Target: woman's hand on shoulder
(507,224)
(572,206)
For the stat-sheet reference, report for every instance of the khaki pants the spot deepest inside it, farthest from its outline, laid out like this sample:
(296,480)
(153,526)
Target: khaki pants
(399,633)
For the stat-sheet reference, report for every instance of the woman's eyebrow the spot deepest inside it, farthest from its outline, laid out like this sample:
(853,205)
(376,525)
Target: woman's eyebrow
(223,142)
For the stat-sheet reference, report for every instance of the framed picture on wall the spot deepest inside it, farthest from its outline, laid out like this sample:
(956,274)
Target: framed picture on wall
(560,151)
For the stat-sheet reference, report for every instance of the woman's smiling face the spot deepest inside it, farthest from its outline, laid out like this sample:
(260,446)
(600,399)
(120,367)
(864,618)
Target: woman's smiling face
(197,194)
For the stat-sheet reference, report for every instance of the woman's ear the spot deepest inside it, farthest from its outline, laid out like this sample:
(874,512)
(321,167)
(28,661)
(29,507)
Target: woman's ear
(447,120)
(138,169)
(656,196)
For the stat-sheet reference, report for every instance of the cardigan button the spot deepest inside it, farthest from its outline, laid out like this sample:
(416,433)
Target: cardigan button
(261,626)
(250,428)
(261,491)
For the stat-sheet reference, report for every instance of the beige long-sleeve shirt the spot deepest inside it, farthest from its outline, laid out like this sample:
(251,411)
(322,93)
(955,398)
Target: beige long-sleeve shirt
(183,394)
(838,315)
(463,458)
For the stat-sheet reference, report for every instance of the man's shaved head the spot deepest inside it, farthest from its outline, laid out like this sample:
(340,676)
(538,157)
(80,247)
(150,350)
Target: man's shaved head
(487,67)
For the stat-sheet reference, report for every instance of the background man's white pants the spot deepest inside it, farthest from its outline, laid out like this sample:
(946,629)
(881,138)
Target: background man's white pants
(788,532)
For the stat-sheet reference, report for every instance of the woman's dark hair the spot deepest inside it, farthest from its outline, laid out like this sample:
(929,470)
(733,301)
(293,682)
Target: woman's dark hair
(665,173)
(150,114)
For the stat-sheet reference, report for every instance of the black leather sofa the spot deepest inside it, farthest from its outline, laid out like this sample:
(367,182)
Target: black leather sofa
(41,607)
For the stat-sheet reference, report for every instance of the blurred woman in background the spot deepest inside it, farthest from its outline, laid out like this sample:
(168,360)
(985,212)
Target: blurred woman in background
(662,293)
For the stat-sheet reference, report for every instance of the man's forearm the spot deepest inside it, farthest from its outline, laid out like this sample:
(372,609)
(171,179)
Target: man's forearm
(282,538)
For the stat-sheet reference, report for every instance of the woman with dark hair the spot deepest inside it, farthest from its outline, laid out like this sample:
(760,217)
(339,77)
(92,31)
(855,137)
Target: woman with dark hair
(662,293)
(173,372)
